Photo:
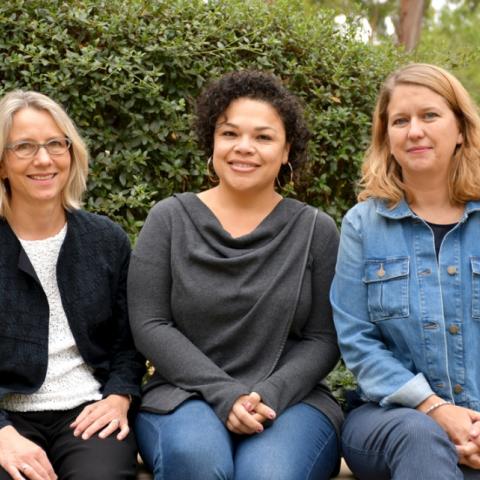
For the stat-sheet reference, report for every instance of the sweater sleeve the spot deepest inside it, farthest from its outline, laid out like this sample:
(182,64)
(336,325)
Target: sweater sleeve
(316,353)
(155,334)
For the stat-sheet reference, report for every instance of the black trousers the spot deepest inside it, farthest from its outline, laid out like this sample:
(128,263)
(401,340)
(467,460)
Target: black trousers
(71,457)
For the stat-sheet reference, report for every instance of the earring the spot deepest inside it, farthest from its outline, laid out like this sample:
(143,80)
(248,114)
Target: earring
(290,186)
(212,177)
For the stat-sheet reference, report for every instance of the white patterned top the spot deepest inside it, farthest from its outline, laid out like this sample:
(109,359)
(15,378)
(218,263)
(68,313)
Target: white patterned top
(69,381)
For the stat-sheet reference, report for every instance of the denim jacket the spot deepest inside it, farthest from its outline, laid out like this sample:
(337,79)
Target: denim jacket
(409,325)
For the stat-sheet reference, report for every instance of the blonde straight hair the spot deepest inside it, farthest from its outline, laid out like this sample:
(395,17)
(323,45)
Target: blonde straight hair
(17,100)
(382,175)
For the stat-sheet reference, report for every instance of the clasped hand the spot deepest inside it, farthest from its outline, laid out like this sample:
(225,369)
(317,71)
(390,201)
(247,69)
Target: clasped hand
(463,427)
(248,415)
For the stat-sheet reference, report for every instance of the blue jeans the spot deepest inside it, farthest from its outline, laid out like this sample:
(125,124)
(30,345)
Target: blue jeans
(191,443)
(400,444)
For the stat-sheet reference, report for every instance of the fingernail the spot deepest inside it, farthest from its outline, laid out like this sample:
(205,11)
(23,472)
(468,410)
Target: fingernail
(247,406)
(271,415)
(85,436)
(76,433)
(260,429)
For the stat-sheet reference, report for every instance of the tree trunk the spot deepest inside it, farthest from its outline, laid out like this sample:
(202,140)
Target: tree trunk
(410,24)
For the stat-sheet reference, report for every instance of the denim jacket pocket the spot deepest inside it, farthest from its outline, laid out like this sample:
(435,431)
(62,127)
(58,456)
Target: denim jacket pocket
(475,262)
(387,286)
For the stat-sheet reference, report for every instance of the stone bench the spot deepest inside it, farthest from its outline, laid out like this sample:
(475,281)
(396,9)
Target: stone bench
(143,473)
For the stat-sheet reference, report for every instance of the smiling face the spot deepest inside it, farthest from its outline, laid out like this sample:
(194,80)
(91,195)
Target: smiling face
(39,179)
(422,132)
(249,146)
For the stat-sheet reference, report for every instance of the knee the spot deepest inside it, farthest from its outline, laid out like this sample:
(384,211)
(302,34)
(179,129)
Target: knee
(420,429)
(197,460)
(259,469)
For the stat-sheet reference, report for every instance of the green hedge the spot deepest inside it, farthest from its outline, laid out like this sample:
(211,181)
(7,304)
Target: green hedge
(128,72)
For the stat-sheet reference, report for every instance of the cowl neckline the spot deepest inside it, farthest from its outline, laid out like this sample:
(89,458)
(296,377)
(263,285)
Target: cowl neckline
(212,231)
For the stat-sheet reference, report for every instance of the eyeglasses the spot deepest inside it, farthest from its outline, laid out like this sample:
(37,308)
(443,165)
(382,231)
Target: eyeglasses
(26,149)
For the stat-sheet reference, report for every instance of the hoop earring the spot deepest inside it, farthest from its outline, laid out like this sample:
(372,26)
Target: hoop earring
(212,177)
(290,185)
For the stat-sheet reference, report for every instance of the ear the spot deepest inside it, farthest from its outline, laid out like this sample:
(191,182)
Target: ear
(286,152)
(460,138)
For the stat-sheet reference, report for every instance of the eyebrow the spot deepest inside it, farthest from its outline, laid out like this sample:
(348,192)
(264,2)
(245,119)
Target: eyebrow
(229,124)
(422,108)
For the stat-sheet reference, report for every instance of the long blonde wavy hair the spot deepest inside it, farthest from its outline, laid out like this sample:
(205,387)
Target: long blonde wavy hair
(382,175)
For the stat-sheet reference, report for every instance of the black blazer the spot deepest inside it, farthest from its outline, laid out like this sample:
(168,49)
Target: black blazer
(91,273)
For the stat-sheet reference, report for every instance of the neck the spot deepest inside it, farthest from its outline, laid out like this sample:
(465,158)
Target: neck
(239,213)
(433,204)
(36,222)
(247,201)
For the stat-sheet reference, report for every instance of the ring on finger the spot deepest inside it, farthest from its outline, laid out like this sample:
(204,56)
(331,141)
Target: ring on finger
(115,421)
(24,467)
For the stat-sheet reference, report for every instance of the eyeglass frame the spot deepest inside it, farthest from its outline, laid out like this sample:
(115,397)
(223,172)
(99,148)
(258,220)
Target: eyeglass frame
(11,146)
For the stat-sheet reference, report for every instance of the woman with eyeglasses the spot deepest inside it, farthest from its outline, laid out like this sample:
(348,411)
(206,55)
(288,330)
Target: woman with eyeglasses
(68,368)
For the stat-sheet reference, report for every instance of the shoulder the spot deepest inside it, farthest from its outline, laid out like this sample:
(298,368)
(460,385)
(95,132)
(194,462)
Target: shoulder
(165,206)
(362,214)
(162,215)
(97,228)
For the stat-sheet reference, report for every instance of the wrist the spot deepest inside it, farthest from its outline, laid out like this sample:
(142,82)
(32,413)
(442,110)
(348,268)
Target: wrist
(435,406)
(429,402)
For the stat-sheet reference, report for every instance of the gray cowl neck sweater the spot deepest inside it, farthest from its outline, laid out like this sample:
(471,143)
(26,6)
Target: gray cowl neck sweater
(220,317)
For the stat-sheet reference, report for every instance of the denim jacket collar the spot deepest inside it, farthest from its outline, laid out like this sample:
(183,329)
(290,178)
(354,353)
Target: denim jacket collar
(402,210)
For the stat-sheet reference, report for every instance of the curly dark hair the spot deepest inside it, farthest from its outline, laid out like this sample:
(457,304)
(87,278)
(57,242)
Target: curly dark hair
(256,85)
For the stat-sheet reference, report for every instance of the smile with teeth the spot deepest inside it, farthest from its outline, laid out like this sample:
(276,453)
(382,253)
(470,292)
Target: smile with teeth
(243,166)
(45,176)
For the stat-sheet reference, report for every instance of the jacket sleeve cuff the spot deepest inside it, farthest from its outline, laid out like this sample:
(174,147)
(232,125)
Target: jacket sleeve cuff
(411,394)
(4,421)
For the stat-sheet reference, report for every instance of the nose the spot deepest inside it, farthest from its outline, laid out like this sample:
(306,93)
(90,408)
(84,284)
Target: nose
(244,145)
(416,128)
(42,156)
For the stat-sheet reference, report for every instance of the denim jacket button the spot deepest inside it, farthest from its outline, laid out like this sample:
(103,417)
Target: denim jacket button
(453,329)
(452,270)
(458,388)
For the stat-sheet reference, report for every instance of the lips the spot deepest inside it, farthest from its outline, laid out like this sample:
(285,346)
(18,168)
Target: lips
(240,166)
(419,149)
(42,177)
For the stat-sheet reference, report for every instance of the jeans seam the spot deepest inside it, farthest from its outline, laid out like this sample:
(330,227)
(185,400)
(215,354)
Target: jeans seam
(319,453)
(159,440)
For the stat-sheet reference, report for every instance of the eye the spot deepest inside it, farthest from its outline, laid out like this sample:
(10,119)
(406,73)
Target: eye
(228,133)
(24,147)
(56,142)
(57,146)
(399,121)
(265,137)
(430,115)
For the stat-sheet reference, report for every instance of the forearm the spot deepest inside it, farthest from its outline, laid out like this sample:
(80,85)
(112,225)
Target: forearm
(127,366)
(184,365)
(301,369)
(315,353)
